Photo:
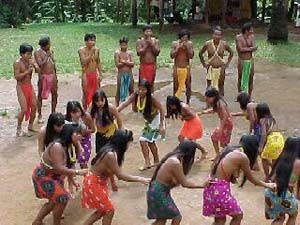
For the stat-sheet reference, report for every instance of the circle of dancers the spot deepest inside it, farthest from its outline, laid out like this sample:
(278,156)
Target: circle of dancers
(66,139)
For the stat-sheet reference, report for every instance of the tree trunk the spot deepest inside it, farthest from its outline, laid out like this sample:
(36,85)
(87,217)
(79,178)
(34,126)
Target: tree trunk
(57,18)
(224,10)
(263,13)
(278,31)
(206,11)
(62,10)
(291,9)
(122,12)
(134,12)
(161,15)
(174,6)
(148,11)
(118,11)
(254,9)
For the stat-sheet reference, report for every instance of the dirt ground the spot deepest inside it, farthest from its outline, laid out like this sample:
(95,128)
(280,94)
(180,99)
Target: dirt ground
(275,84)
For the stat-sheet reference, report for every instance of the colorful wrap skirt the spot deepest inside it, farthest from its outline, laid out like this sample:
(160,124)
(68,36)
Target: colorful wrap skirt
(192,129)
(223,137)
(160,203)
(150,132)
(49,186)
(218,201)
(277,205)
(86,144)
(95,194)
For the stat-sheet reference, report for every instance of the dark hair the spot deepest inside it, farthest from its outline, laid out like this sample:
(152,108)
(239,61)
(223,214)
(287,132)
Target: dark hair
(124,40)
(57,119)
(184,32)
(186,150)
(283,166)
(244,99)
(148,107)
(44,41)
(89,36)
(106,117)
(249,144)
(147,27)
(214,93)
(246,27)
(173,100)
(24,48)
(72,107)
(217,28)
(118,143)
(263,111)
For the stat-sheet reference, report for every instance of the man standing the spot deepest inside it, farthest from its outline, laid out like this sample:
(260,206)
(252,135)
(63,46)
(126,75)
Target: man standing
(89,57)
(47,81)
(216,64)
(23,68)
(147,48)
(245,46)
(182,51)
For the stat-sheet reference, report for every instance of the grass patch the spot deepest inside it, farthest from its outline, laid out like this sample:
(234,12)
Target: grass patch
(67,38)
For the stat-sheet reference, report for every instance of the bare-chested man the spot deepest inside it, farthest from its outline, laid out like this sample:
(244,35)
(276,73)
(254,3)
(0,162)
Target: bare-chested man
(124,63)
(89,57)
(23,68)
(147,48)
(216,64)
(47,77)
(245,46)
(182,52)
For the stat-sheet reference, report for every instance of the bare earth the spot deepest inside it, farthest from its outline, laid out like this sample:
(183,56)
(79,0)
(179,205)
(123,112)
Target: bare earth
(276,84)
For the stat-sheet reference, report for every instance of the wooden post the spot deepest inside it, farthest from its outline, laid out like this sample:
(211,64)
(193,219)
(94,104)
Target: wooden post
(174,6)
(206,11)
(161,15)
(263,13)
(224,9)
(148,11)
(134,12)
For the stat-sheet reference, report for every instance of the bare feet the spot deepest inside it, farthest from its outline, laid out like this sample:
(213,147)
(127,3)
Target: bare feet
(40,120)
(145,167)
(20,133)
(114,187)
(37,222)
(203,156)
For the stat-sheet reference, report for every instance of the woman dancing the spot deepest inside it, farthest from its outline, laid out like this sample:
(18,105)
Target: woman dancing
(106,163)
(153,113)
(170,173)
(48,175)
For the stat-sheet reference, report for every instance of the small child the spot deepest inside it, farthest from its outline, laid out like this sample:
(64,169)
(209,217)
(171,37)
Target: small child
(124,63)
(221,134)
(271,142)
(192,127)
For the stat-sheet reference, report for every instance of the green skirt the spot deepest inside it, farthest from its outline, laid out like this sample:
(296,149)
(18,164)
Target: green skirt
(246,69)
(160,203)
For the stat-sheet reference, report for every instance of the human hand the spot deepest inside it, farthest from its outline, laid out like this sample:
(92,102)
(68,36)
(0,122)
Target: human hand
(82,172)
(144,180)
(206,65)
(271,186)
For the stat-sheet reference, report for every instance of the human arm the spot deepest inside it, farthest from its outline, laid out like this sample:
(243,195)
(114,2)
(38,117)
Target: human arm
(159,107)
(207,111)
(252,119)
(118,62)
(201,53)
(190,49)
(130,61)
(230,51)
(174,49)
(140,49)
(263,136)
(112,164)
(241,49)
(91,128)
(238,114)
(125,104)
(98,60)
(41,60)
(114,112)
(155,46)
(84,60)
(41,140)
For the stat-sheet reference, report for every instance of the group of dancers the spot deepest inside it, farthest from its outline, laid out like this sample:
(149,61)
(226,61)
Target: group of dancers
(66,138)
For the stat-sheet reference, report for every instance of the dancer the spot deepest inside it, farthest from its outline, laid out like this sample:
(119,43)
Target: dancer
(106,163)
(218,201)
(271,142)
(147,48)
(192,127)
(285,174)
(124,63)
(76,114)
(248,108)
(50,132)
(245,46)
(216,64)
(48,176)
(104,116)
(89,57)
(221,134)
(153,113)
(182,52)
(170,173)
(47,81)
(23,69)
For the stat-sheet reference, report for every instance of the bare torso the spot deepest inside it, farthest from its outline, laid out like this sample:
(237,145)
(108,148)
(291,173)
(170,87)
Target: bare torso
(102,168)
(213,48)
(45,61)
(124,56)
(20,67)
(184,54)
(222,110)
(148,57)
(244,42)
(89,59)
(186,112)
(165,174)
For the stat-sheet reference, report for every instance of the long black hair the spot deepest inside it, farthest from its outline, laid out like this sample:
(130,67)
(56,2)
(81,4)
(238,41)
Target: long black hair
(186,150)
(244,99)
(212,92)
(249,144)
(54,119)
(73,107)
(106,117)
(263,111)
(118,143)
(148,107)
(283,166)
(173,101)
